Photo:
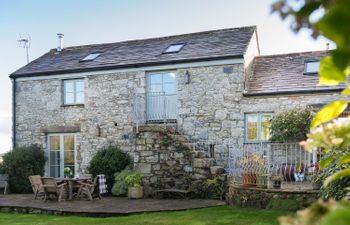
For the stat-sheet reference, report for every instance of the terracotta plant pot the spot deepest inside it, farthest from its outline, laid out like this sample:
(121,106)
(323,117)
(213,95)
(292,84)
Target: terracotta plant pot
(249,179)
(135,192)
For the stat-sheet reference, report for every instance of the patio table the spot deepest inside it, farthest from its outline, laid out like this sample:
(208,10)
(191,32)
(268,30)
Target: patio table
(70,182)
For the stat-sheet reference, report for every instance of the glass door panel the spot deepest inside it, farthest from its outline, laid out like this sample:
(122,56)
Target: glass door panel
(161,96)
(69,158)
(61,154)
(54,156)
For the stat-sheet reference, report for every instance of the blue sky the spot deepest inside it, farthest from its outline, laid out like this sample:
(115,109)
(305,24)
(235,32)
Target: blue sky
(100,21)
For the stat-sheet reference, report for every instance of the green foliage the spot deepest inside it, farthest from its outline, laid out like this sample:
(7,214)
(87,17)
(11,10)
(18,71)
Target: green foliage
(108,161)
(324,213)
(22,162)
(291,125)
(335,189)
(332,25)
(330,74)
(2,168)
(329,112)
(134,179)
(120,187)
(215,188)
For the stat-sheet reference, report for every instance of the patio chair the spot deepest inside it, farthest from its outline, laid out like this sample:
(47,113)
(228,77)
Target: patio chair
(52,189)
(4,178)
(36,184)
(90,189)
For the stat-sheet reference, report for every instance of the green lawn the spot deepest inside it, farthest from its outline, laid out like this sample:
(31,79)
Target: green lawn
(212,216)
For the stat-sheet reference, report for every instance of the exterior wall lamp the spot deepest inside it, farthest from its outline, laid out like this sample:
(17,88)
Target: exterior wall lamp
(187,77)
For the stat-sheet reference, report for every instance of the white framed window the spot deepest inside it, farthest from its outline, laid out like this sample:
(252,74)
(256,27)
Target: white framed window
(257,127)
(311,67)
(73,91)
(161,96)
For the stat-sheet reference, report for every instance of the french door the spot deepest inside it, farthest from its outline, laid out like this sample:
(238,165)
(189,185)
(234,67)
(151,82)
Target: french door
(61,154)
(161,96)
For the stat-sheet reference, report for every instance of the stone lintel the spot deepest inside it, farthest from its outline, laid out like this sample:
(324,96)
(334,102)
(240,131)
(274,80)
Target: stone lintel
(61,129)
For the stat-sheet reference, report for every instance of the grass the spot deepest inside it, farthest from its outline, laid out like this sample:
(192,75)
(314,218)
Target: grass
(217,215)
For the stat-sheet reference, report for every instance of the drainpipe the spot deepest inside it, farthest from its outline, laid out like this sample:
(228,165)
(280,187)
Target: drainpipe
(13,113)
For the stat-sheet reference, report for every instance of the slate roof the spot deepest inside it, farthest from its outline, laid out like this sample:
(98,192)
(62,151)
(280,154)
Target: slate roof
(277,74)
(208,45)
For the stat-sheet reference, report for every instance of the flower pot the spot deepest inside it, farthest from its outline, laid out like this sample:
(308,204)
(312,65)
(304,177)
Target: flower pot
(249,179)
(276,184)
(261,181)
(135,192)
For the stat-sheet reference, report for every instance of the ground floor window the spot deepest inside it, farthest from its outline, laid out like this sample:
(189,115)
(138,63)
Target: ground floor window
(61,154)
(257,127)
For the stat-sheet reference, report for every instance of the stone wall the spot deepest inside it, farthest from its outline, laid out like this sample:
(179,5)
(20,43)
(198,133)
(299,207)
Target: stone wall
(270,198)
(168,160)
(210,107)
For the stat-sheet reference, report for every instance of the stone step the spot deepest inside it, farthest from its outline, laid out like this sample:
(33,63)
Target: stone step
(200,154)
(217,170)
(203,163)
(156,128)
(179,138)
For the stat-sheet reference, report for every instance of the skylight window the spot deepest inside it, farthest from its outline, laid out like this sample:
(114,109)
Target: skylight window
(174,48)
(91,57)
(311,67)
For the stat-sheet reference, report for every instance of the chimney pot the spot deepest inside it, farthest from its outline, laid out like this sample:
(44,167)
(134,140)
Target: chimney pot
(60,42)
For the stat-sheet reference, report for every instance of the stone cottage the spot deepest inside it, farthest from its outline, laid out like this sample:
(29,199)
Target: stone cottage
(143,94)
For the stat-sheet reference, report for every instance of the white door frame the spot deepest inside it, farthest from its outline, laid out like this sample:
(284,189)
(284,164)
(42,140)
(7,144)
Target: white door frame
(61,136)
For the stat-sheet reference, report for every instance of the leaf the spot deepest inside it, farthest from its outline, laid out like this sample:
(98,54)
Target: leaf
(338,215)
(329,112)
(336,176)
(333,26)
(344,159)
(345,92)
(330,74)
(326,161)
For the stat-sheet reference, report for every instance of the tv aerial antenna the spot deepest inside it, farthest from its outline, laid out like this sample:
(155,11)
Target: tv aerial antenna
(24,42)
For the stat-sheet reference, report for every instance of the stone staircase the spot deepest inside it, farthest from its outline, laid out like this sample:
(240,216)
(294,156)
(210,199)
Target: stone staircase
(169,160)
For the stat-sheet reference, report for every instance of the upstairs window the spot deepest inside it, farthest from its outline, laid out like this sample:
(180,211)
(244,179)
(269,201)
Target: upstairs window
(311,67)
(73,92)
(91,57)
(257,127)
(174,48)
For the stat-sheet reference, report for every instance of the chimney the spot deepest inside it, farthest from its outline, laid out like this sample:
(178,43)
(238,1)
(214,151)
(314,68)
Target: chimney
(60,42)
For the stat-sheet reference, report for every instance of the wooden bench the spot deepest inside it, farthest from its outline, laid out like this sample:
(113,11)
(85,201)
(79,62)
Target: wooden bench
(172,193)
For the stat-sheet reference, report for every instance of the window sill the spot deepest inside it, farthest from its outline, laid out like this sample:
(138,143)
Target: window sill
(73,105)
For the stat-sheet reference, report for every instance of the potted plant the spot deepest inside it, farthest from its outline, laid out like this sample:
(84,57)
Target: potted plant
(68,172)
(134,182)
(276,181)
(251,165)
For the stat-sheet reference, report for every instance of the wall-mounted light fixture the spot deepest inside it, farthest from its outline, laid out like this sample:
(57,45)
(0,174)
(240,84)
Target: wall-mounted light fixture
(98,131)
(187,77)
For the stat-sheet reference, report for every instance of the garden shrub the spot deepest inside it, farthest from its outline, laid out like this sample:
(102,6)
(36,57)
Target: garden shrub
(120,187)
(337,188)
(291,126)
(108,161)
(22,162)
(214,188)
(2,168)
